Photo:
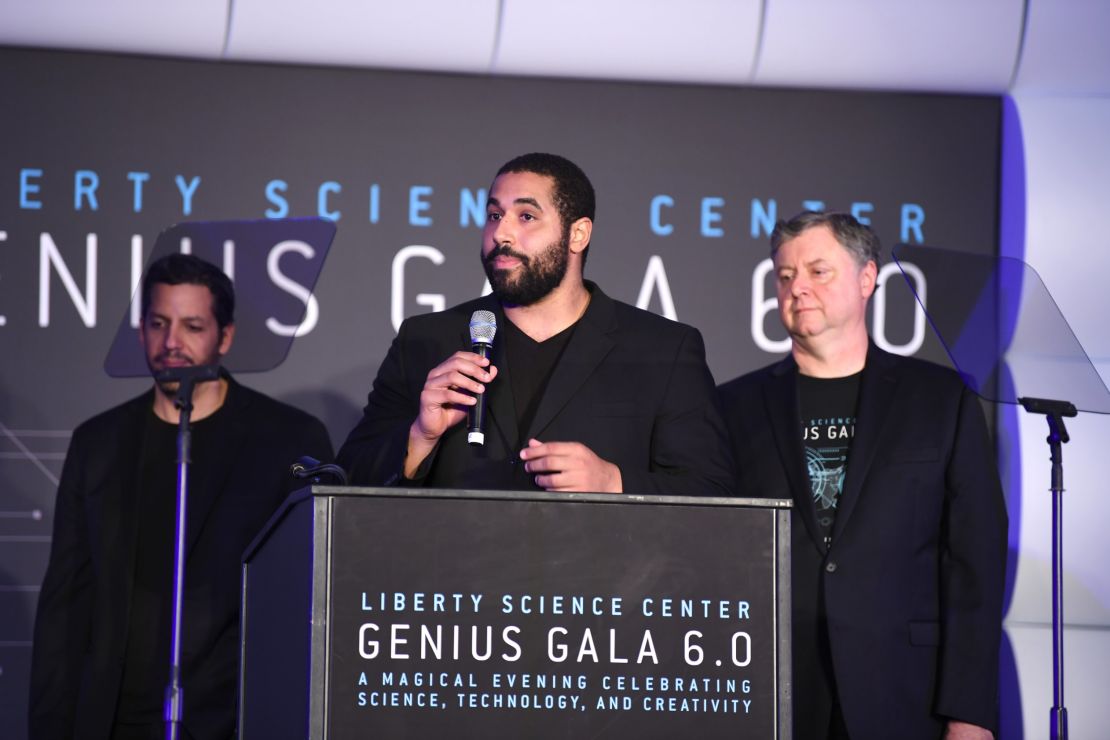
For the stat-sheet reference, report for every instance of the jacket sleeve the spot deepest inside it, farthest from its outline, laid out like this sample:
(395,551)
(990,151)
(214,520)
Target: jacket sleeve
(64,615)
(374,453)
(973,574)
(690,454)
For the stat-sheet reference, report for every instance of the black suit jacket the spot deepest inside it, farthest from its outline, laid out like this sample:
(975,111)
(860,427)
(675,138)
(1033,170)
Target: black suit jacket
(81,625)
(630,385)
(911,587)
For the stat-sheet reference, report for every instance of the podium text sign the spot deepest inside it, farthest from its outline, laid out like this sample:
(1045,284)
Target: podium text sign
(418,613)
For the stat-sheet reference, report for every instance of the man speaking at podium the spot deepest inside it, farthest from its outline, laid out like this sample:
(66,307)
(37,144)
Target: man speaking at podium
(101,652)
(581,392)
(899,527)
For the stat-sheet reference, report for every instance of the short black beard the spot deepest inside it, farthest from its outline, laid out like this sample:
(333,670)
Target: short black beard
(535,281)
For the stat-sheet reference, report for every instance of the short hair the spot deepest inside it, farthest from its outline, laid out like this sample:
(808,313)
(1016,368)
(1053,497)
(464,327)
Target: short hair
(186,269)
(860,241)
(573,193)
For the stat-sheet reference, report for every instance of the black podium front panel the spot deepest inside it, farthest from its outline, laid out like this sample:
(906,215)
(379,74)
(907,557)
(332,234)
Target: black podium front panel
(460,614)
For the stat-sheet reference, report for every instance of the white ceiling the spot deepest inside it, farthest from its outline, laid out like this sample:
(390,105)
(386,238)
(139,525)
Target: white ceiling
(984,46)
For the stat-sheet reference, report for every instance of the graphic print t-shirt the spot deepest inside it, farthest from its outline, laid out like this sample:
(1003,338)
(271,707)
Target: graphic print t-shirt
(828,424)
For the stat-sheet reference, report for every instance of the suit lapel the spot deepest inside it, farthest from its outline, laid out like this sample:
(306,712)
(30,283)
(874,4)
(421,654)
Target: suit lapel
(781,398)
(588,346)
(131,438)
(876,396)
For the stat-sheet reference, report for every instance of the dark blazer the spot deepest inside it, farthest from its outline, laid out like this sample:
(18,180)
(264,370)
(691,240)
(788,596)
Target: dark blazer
(912,584)
(630,385)
(81,625)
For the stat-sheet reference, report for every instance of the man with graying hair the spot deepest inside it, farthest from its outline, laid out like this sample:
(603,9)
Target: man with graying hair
(898,532)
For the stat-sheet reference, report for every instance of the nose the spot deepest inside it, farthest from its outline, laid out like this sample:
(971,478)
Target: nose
(502,233)
(172,337)
(799,286)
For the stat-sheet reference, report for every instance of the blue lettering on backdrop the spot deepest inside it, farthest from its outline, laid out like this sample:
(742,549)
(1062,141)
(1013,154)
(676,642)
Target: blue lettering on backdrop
(763,214)
(858,209)
(85,183)
(709,217)
(473,205)
(138,178)
(375,203)
(28,188)
(325,190)
(913,216)
(274,190)
(657,225)
(322,194)
(187,192)
(763,218)
(417,205)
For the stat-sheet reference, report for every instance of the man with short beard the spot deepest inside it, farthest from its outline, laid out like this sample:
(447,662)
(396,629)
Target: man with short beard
(583,393)
(101,652)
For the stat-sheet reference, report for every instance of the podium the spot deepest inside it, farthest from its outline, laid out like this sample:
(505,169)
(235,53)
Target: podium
(399,613)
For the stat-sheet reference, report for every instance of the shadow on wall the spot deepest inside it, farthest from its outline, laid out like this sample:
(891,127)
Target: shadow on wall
(15,656)
(1009,465)
(337,412)
(1010,725)
(29,468)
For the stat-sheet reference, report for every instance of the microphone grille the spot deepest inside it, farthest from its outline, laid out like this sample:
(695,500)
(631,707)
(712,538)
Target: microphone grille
(483,325)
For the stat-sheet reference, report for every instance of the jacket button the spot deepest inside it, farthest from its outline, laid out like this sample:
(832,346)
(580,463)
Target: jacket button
(830,567)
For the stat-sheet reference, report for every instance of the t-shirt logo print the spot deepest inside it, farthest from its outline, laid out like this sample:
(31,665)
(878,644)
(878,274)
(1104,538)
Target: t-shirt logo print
(827,442)
(826,476)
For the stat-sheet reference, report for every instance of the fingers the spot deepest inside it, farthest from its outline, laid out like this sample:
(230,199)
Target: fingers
(445,397)
(546,457)
(462,371)
(570,466)
(449,389)
(537,449)
(558,466)
(557,482)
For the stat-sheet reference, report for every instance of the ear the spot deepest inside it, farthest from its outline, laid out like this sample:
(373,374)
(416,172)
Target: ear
(868,276)
(580,232)
(142,332)
(227,335)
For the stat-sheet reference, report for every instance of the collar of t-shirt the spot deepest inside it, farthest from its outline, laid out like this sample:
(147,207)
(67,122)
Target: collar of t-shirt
(531,364)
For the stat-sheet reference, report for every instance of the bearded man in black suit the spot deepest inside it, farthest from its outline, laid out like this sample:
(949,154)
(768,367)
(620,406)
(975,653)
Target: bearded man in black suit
(583,393)
(101,651)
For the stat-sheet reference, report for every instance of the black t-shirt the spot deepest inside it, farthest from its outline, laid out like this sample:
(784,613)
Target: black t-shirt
(147,656)
(828,424)
(530,366)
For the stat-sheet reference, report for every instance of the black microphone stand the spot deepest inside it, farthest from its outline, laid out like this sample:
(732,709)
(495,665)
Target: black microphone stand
(1055,411)
(186,378)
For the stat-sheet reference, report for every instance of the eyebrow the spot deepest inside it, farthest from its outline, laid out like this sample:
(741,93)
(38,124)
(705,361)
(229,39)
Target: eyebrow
(811,263)
(519,201)
(164,317)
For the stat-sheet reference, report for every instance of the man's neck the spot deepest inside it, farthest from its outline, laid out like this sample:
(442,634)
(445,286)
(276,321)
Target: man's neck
(833,359)
(208,397)
(554,313)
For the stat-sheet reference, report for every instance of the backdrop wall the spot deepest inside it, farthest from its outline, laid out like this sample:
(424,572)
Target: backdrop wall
(102,152)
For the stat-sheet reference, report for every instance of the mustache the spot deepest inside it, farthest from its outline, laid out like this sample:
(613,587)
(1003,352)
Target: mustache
(504,250)
(163,356)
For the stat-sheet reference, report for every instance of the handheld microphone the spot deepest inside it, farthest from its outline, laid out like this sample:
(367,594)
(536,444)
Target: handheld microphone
(483,326)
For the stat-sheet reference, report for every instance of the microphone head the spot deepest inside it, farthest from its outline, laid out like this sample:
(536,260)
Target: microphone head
(483,325)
